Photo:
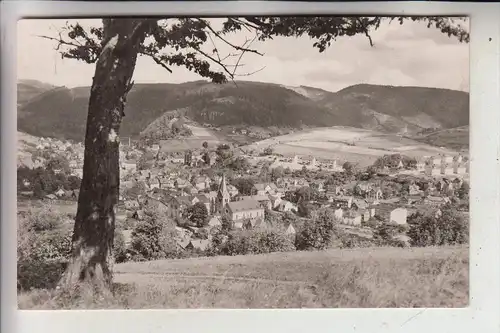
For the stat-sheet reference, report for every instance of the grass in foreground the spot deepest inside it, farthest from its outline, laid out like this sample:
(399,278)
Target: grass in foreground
(382,277)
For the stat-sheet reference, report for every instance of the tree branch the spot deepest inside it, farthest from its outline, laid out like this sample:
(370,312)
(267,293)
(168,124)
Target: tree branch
(239,48)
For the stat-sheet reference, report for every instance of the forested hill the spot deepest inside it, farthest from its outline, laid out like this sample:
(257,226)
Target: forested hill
(61,112)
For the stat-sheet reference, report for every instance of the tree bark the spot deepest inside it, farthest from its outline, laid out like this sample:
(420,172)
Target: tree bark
(93,233)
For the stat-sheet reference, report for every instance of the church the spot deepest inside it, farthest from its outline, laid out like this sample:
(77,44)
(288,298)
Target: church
(236,211)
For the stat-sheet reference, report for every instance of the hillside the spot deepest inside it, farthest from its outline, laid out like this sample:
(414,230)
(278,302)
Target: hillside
(62,112)
(453,138)
(351,144)
(391,109)
(28,89)
(347,278)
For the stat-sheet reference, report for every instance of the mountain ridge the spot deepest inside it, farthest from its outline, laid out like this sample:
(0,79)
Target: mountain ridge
(61,112)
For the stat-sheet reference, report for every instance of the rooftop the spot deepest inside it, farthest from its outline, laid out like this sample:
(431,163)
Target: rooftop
(242,205)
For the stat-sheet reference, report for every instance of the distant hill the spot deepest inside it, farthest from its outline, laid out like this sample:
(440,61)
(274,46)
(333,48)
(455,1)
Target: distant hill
(28,89)
(62,112)
(394,109)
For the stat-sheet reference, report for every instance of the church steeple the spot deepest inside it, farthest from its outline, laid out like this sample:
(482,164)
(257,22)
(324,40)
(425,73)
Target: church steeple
(222,195)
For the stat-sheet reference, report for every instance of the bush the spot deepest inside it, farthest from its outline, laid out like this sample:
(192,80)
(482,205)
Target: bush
(387,231)
(44,219)
(243,242)
(319,232)
(119,247)
(153,238)
(448,228)
(41,255)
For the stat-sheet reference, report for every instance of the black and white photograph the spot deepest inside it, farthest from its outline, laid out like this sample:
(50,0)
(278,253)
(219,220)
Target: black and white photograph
(243,162)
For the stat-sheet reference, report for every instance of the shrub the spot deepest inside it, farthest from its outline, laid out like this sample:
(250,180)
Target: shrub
(243,242)
(44,219)
(153,238)
(387,231)
(41,255)
(448,228)
(119,247)
(319,232)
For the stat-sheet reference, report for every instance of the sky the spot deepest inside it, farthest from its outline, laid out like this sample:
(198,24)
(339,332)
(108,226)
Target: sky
(403,55)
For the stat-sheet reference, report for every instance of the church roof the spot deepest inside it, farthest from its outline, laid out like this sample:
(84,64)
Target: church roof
(243,205)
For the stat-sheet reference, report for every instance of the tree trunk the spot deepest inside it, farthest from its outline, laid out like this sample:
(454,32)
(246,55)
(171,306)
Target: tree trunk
(93,233)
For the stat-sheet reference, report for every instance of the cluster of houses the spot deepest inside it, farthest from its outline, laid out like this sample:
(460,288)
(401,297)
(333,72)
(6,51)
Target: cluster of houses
(72,152)
(310,163)
(174,189)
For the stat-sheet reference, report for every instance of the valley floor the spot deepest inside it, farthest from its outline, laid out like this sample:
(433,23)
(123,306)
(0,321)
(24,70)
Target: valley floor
(369,277)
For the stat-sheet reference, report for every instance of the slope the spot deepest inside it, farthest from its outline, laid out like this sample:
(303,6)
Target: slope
(28,89)
(453,138)
(394,109)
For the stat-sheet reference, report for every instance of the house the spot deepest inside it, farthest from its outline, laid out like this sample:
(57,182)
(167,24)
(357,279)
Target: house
(390,201)
(156,205)
(198,244)
(60,193)
(129,166)
(180,183)
(166,183)
(342,201)
(398,216)
(153,183)
(319,185)
(182,243)
(190,190)
(244,209)
(332,191)
(413,199)
(290,230)
(286,206)
(233,191)
(339,214)
(352,218)
(435,200)
(51,196)
(421,164)
(275,201)
(204,200)
(138,215)
(177,205)
(414,189)
(131,204)
(359,204)
(201,183)
(292,183)
(265,188)
(215,221)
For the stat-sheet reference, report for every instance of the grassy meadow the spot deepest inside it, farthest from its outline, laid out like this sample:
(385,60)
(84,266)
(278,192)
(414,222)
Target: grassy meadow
(356,278)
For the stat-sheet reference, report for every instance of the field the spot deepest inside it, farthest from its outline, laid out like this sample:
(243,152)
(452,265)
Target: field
(200,135)
(357,278)
(347,144)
